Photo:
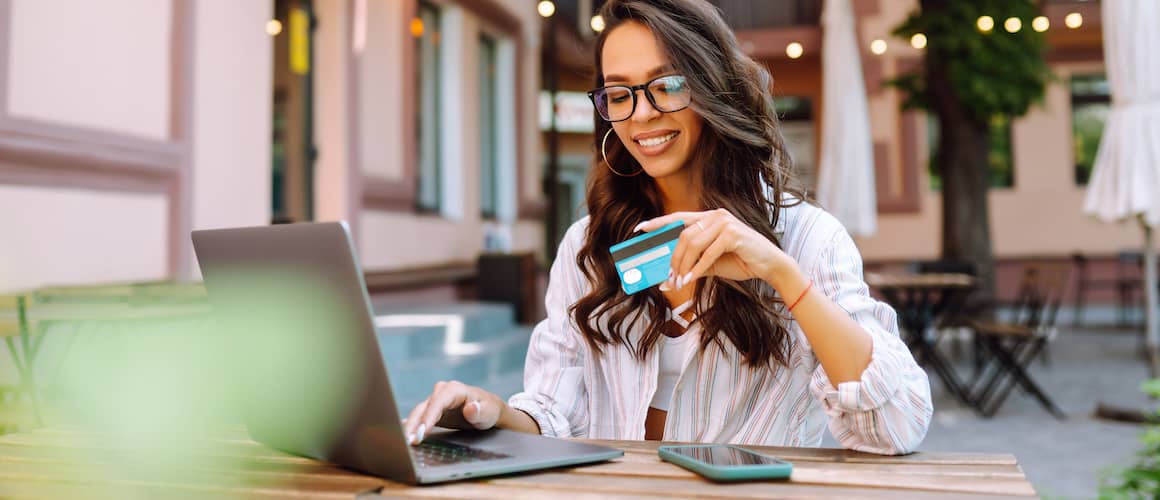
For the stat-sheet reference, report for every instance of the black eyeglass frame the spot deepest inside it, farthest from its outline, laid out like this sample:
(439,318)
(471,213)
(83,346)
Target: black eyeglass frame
(632,91)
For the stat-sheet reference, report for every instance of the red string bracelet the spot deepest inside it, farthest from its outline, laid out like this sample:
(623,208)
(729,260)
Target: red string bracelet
(800,297)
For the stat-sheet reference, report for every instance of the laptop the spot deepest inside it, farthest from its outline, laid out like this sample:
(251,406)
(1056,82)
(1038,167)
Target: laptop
(298,333)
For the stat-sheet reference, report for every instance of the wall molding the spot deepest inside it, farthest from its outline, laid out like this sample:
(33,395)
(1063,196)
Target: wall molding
(39,153)
(369,191)
(908,201)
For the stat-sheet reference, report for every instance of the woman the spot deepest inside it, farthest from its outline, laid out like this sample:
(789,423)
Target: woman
(765,329)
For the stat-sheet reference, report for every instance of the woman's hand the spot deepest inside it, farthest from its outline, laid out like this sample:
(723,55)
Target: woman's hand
(716,243)
(480,409)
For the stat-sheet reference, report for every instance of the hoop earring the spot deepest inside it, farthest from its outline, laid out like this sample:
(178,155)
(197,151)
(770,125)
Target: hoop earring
(609,165)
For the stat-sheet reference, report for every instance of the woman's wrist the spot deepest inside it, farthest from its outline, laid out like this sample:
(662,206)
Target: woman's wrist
(785,276)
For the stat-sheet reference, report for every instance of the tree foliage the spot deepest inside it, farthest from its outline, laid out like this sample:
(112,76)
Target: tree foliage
(993,73)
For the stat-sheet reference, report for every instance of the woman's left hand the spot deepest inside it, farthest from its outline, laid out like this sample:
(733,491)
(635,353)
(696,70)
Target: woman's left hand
(716,243)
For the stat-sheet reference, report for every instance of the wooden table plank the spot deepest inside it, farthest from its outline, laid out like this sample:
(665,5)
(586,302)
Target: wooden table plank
(72,462)
(838,455)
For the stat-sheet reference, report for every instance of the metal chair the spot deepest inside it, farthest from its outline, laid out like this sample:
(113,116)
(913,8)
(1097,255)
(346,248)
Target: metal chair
(1012,345)
(1127,283)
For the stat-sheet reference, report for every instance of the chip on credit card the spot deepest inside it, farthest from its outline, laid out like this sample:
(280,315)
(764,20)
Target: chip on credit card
(645,260)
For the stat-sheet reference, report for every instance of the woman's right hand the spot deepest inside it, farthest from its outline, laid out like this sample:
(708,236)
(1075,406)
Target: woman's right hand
(480,409)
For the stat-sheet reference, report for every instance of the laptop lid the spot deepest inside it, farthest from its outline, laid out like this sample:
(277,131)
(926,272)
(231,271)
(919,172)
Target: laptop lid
(298,329)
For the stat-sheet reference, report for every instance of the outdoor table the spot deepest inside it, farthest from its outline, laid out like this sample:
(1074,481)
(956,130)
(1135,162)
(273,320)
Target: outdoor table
(920,300)
(62,463)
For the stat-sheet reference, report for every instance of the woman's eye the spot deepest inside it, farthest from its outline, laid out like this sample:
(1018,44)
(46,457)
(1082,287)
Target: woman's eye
(619,99)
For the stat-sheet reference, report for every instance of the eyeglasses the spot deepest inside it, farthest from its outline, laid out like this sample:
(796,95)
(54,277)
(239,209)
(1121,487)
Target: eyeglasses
(616,103)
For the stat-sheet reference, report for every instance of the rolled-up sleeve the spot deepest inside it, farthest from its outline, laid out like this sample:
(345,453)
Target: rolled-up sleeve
(889,409)
(554,392)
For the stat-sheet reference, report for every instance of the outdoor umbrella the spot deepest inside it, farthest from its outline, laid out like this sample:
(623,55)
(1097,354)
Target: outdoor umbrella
(1126,179)
(846,170)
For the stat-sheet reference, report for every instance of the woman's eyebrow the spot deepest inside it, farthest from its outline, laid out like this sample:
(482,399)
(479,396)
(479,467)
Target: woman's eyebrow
(655,72)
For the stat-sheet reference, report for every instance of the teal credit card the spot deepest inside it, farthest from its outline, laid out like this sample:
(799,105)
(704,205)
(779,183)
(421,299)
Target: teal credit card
(645,260)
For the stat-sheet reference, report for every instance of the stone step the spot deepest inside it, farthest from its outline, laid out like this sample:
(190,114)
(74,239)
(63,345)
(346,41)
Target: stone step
(479,320)
(477,364)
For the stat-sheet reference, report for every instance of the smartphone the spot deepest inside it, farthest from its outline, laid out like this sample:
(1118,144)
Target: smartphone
(721,462)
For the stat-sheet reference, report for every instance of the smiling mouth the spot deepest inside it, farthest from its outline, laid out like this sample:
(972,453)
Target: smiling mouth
(656,141)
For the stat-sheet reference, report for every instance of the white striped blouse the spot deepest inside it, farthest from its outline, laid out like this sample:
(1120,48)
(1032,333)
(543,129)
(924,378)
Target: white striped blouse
(570,392)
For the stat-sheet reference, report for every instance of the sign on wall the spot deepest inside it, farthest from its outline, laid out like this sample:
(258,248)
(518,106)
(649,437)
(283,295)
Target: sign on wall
(573,112)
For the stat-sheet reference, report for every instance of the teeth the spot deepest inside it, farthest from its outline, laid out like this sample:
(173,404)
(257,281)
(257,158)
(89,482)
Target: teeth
(657,141)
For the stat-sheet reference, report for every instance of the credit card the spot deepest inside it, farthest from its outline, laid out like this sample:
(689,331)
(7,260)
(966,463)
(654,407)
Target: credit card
(645,260)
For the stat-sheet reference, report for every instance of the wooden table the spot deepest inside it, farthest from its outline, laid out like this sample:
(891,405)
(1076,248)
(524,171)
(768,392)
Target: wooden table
(76,464)
(920,300)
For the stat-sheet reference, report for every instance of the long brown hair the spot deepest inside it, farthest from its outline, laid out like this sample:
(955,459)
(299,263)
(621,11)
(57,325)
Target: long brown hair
(748,174)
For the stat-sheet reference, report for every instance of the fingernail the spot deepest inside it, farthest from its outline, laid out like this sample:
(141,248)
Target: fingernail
(665,287)
(422,430)
(410,439)
(687,278)
(638,226)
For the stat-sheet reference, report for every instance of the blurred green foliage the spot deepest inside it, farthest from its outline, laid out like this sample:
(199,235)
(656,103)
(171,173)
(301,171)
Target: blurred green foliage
(1141,480)
(993,73)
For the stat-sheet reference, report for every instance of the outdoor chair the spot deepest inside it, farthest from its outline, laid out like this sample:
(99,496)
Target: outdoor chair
(1127,283)
(26,320)
(1013,344)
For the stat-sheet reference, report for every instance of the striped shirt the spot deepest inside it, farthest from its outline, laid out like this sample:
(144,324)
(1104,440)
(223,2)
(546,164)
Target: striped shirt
(571,392)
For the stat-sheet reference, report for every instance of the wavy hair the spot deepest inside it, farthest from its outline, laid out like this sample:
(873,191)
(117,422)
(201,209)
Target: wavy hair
(748,175)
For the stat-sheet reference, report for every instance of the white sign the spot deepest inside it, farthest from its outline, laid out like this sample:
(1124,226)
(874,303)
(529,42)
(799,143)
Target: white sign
(573,112)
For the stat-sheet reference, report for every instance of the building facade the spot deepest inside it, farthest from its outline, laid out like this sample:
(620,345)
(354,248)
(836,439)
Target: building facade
(125,124)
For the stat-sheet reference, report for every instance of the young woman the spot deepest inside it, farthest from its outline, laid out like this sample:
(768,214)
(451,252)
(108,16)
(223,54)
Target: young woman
(765,330)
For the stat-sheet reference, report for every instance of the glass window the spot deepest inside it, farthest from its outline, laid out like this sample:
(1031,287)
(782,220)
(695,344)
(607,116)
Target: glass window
(1000,159)
(1090,103)
(427,48)
(488,138)
(797,128)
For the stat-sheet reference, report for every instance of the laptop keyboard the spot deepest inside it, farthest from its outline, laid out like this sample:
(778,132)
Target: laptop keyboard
(433,453)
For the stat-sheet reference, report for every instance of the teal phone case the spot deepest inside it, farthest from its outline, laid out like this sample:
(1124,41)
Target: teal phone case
(780,470)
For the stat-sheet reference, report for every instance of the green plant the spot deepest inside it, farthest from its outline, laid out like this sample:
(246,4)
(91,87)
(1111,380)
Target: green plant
(1142,479)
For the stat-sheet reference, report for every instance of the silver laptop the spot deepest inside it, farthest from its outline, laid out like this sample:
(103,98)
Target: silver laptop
(298,332)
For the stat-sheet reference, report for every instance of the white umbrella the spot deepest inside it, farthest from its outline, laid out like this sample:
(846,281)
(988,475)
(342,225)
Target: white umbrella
(846,170)
(1126,180)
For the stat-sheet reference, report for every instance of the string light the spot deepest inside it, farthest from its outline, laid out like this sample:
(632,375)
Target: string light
(1013,25)
(597,23)
(1073,20)
(985,23)
(1040,24)
(878,46)
(918,41)
(417,27)
(794,50)
(546,8)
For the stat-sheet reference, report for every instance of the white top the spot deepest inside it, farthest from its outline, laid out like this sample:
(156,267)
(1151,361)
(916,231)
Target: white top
(674,353)
(571,390)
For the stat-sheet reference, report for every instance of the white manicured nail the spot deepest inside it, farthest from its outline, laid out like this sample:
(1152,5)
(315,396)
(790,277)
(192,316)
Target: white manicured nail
(410,439)
(478,408)
(422,430)
(638,226)
(687,278)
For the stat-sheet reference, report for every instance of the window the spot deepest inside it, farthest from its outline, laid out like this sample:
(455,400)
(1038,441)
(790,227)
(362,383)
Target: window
(427,50)
(1090,103)
(488,127)
(797,127)
(1000,159)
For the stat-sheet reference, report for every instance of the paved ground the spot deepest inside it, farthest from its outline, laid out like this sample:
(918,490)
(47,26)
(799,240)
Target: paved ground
(1064,459)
